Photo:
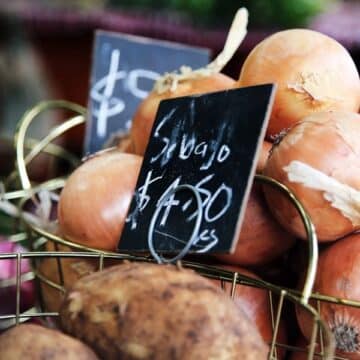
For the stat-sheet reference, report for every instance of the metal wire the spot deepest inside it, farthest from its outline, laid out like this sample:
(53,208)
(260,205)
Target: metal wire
(224,275)
(40,239)
(310,232)
(24,124)
(160,259)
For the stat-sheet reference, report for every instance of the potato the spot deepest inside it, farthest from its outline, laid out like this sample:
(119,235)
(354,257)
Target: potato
(34,342)
(150,311)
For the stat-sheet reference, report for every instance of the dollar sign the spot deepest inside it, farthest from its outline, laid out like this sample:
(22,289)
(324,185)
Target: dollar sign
(102,92)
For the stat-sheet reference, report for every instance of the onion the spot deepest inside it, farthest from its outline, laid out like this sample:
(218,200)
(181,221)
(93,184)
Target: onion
(94,202)
(188,82)
(319,160)
(303,355)
(256,305)
(72,269)
(261,238)
(144,117)
(126,146)
(264,154)
(8,282)
(313,73)
(120,140)
(338,275)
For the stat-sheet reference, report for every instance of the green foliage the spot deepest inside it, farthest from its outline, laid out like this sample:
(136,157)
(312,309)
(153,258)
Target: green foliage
(280,13)
(286,13)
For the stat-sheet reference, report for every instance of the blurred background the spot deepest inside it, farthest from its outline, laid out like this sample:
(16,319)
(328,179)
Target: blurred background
(46,46)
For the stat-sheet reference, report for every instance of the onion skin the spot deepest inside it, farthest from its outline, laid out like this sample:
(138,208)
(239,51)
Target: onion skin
(261,238)
(328,142)
(126,145)
(312,71)
(72,270)
(303,355)
(255,303)
(145,114)
(94,202)
(264,155)
(338,275)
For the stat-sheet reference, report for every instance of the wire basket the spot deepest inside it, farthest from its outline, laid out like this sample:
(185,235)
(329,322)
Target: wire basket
(58,262)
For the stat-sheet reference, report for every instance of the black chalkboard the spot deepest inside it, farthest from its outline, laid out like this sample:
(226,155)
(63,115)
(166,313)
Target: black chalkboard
(210,142)
(123,72)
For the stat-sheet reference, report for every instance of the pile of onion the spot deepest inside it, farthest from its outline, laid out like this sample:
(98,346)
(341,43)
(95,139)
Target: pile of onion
(187,82)
(95,200)
(319,160)
(261,238)
(256,305)
(312,71)
(338,275)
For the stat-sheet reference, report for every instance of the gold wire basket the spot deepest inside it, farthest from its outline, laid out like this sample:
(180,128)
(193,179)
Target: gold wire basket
(48,248)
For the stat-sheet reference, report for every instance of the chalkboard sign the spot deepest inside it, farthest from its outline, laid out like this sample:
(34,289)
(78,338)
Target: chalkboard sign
(123,73)
(211,142)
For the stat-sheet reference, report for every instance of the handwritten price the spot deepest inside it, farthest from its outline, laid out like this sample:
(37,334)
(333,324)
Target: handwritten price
(213,151)
(106,104)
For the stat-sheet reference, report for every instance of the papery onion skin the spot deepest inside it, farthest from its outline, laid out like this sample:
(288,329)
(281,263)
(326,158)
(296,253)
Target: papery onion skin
(94,202)
(256,305)
(261,238)
(328,142)
(338,275)
(126,146)
(144,117)
(264,154)
(312,71)
(304,355)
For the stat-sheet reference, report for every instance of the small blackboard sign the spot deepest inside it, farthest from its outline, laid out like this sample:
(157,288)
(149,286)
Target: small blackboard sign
(124,70)
(211,142)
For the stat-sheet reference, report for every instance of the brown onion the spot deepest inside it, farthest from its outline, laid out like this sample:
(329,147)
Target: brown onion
(304,355)
(319,160)
(256,305)
(313,73)
(261,238)
(188,82)
(264,154)
(94,202)
(126,145)
(338,275)
(144,117)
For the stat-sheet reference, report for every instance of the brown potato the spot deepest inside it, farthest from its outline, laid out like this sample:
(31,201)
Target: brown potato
(34,342)
(150,311)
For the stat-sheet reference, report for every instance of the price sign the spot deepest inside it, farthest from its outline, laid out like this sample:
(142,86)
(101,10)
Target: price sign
(210,142)
(124,70)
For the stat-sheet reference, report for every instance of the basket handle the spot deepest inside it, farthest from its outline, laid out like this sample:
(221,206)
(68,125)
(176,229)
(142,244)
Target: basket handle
(27,119)
(310,232)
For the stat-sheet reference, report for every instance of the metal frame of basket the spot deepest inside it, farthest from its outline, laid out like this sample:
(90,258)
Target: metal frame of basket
(62,249)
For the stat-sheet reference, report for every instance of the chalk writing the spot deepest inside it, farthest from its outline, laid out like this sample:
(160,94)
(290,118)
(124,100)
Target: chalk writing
(206,146)
(123,73)
(106,104)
